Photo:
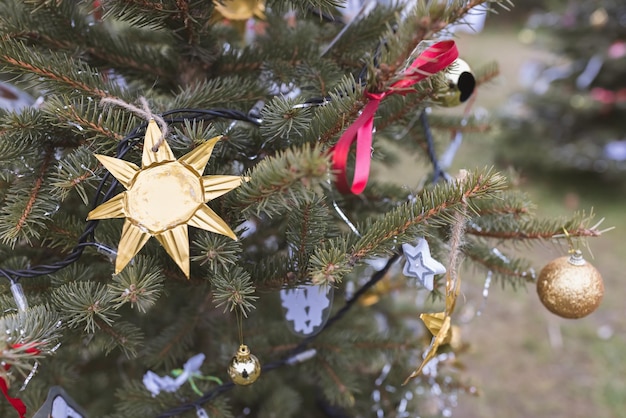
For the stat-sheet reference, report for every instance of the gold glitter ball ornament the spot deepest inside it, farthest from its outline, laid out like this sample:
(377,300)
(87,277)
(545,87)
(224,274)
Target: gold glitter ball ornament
(570,287)
(244,369)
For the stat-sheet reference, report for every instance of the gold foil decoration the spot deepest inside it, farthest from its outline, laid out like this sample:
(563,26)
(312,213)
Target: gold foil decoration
(163,197)
(240,9)
(439,324)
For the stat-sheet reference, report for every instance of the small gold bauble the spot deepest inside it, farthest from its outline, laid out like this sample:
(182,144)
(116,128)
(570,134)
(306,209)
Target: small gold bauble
(244,369)
(460,84)
(570,287)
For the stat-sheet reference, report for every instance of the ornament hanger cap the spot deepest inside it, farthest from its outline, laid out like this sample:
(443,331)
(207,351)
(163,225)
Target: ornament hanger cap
(243,350)
(577,258)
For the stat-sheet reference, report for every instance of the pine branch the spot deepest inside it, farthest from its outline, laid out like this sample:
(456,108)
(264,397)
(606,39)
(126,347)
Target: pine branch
(403,224)
(75,172)
(139,285)
(217,251)
(234,290)
(227,92)
(56,71)
(29,202)
(342,395)
(332,118)
(173,341)
(514,271)
(429,206)
(90,305)
(63,233)
(306,230)
(278,182)
(534,229)
(124,335)
(35,328)
(323,6)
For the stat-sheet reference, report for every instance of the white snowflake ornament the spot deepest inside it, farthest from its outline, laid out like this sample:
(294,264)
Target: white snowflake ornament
(420,264)
(307,308)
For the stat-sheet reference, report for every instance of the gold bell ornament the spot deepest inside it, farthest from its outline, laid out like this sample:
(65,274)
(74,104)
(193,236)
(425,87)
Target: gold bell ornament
(570,286)
(245,368)
(460,85)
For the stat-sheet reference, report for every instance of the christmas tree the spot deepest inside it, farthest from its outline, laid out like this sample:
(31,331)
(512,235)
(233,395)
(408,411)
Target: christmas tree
(239,135)
(569,119)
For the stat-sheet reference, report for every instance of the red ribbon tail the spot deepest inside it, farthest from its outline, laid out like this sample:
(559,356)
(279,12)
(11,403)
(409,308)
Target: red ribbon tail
(15,402)
(361,133)
(432,60)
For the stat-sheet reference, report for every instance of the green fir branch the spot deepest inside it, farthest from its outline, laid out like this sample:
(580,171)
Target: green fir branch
(218,252)
(403,224)
(306,231)
(139,284)
(223,92)
(324,6)
(534,229)
(173,340)
(76,172)
(55,71)
(276,183)
(234,290)
(508,269)
(124,335)
(90,305)
(30,202)
(62,234)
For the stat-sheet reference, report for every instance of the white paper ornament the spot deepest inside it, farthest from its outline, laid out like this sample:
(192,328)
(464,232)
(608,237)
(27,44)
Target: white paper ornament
(307,308)
(420,264)
(59,404)
(14,99)
(156,384)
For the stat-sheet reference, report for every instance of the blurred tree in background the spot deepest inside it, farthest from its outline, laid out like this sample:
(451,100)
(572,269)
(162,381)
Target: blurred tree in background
(571,116)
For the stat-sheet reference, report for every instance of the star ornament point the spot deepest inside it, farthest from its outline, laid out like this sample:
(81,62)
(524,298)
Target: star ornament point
(164,197)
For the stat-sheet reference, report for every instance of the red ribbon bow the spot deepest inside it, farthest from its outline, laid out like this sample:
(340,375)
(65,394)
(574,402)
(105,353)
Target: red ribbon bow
(434,59)
(16,403)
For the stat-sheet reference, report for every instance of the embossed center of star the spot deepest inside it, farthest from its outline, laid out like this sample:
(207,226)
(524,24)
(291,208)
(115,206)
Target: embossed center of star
(164,196)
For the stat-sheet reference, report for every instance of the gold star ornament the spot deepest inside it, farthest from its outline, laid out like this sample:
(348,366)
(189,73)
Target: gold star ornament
(163,197)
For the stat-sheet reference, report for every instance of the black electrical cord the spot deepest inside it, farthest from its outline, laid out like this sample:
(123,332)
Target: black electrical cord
(87,237)
(438,172)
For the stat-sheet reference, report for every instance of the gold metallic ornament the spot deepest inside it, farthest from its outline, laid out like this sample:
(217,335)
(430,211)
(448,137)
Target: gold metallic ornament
(373,295)
(240,9)
(570,287)
(460,84)
(163,197)
(244,369)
